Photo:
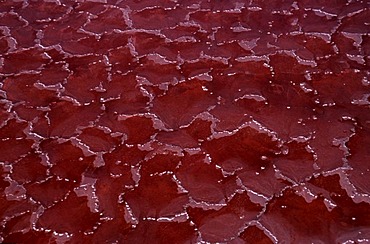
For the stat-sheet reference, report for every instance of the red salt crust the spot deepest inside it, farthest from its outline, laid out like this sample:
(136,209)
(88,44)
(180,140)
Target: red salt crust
(184,121)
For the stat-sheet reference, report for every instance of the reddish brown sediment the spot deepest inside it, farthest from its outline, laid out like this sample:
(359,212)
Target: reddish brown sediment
(184,121)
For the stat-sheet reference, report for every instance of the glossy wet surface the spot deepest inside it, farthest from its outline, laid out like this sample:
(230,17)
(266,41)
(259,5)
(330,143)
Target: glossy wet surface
(184,121)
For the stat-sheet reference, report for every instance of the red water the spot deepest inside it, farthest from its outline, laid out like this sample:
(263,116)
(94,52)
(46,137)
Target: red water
(188,121)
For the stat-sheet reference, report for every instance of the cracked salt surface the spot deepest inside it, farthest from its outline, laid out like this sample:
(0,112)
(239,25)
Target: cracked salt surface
(184,121)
